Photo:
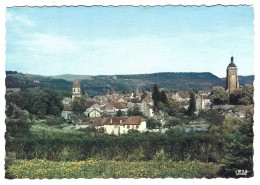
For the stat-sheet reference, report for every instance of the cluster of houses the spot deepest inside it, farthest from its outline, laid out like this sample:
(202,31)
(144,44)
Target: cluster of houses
(112,102)
(108,105)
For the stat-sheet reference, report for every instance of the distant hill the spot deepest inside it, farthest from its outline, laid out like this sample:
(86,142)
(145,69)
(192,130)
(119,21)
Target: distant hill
(244,79)
(96,85)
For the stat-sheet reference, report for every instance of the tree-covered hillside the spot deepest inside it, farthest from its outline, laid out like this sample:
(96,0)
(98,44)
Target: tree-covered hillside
(94,85)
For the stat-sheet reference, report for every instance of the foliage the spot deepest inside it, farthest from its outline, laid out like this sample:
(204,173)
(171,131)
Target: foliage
(218,95)
(238,147)
(156,95)
(152,123)
(212,117)
(192,105)
(79,105)
(41,103)
(243,96)
(163,97)
(174,106)
(18,127)
(119,113)
(93,168)
(53,120)
(134,112)
(173,122)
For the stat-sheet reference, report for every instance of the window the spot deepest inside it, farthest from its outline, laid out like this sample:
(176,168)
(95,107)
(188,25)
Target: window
(128,126)
(137,127)
(74,90)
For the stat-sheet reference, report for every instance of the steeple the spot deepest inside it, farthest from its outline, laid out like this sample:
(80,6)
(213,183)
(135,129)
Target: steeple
(232,64)
(232,82)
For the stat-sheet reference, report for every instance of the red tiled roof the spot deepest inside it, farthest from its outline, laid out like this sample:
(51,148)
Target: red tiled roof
(90,104)
(115,121)
(99,122)
(183,95)
(135,120)
(76,85)
(117,105)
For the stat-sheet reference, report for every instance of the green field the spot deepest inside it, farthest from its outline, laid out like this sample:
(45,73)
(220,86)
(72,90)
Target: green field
(92,168)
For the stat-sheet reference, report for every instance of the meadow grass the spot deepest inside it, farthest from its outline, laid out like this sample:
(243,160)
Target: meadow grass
(93,168)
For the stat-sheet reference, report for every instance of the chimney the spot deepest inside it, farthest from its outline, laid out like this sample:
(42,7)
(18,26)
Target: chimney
(120,121)
(111,120)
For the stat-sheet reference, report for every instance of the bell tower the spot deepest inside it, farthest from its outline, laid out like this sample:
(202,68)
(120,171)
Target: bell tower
(76,90)
(232,78)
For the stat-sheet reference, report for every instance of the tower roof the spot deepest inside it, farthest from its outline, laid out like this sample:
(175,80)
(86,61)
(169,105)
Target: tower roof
(76,85)
(232,64)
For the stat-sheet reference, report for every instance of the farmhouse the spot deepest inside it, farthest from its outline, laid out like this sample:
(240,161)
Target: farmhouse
(121,125)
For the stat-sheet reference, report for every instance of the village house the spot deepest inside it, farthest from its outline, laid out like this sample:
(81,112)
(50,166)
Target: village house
(93,109)
(93,113)
(121,125)
(203,100)
(181,97)
(67,111)
(111,108)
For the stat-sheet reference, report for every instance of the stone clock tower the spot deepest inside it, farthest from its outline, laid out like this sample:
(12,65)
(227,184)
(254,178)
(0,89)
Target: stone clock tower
(232,78)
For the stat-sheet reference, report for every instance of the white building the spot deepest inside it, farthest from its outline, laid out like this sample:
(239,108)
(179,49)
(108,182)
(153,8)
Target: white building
(121,125)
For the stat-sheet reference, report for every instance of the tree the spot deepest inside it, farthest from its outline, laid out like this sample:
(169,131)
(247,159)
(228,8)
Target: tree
(243,96)
(173,122)
(173,106)
(152,123)
(40,103)
(218,95)
(79,105)
(156,95)
(192,106)
(18,127)
(163,97)
(134,112)
(119,113)
(238,146)
(212,117)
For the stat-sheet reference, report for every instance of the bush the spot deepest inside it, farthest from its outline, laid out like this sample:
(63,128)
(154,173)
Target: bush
(53,121)
(152,123)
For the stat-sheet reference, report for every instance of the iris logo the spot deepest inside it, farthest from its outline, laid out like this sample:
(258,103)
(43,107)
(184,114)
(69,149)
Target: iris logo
(241,172)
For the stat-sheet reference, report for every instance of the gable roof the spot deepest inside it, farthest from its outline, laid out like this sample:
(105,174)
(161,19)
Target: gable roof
(90,104)
(183,95)
(134,120)
(115,120)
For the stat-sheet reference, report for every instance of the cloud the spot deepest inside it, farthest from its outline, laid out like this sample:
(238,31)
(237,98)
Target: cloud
(12,18)
(44,44)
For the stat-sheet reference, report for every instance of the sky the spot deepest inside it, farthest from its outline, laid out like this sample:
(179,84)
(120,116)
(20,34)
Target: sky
(129,40)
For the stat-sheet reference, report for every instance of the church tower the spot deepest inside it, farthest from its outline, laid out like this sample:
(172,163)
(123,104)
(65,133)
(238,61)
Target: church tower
(76,90)
(232,78)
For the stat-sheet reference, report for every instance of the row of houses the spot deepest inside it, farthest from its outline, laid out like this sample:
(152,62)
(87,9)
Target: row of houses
(110,103)
(116,125)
